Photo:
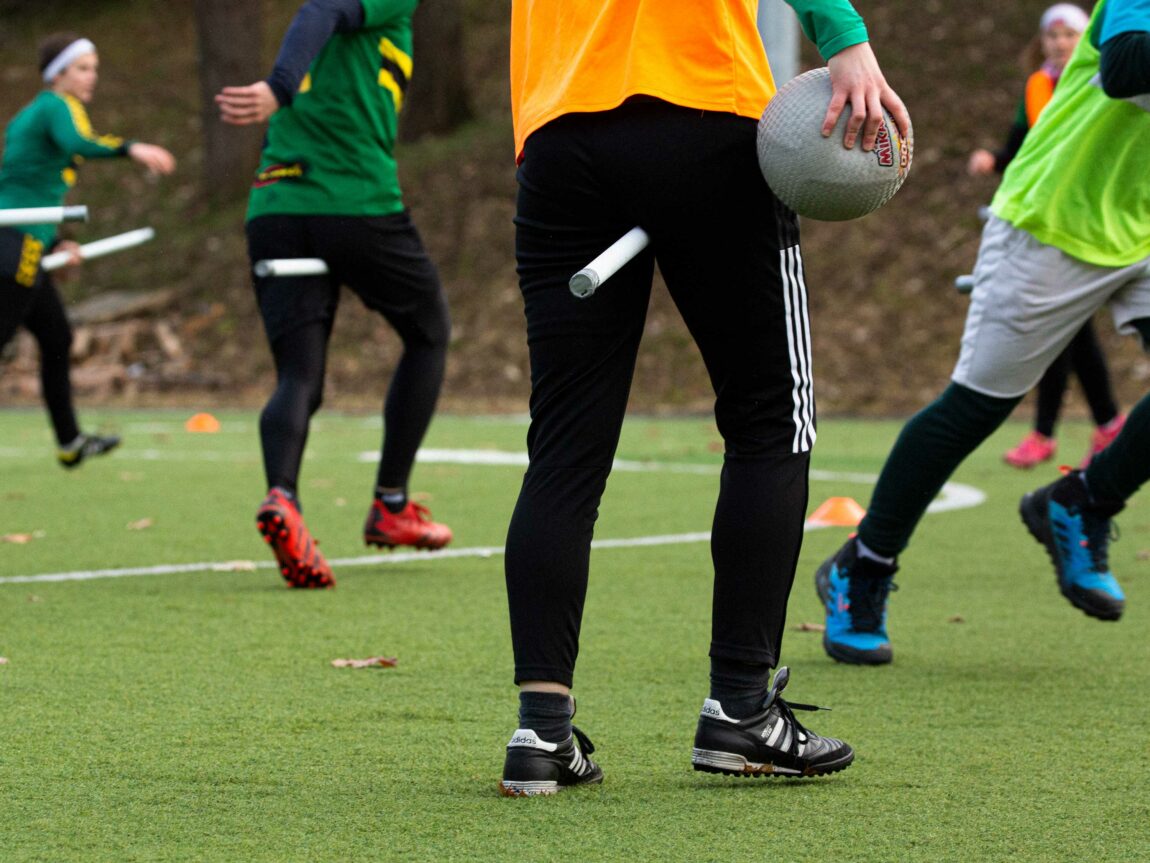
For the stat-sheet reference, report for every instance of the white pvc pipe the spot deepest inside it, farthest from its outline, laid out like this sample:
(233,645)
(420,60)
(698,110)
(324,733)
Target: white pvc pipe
(99,248)
(585,282)
(290,267)
(43,216)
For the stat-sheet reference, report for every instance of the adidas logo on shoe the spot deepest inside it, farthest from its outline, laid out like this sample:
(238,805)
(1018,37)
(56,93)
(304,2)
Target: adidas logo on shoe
(535,767)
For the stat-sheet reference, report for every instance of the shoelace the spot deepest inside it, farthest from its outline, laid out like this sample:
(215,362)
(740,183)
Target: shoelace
(421,512)
(585,744)
(799,732)
(867,598)
(1099,532)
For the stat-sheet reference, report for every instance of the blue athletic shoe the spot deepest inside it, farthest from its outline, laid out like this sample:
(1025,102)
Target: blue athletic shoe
(854,591)
(1076,533)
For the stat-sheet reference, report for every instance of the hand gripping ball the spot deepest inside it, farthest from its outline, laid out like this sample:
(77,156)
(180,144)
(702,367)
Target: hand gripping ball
(816,176)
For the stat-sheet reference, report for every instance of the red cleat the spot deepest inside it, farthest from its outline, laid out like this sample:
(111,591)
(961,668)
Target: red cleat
(1101,438)
(301,563)
(411,526)
(1034,449)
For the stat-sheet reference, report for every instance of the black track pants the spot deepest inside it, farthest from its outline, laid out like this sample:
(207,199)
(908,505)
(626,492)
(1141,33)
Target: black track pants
(728,251)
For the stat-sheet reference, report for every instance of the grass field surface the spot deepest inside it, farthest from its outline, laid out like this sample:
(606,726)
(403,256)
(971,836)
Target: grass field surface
(163,700)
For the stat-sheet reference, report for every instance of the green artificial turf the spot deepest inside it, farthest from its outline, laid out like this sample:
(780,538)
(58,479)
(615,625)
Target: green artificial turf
(195,715)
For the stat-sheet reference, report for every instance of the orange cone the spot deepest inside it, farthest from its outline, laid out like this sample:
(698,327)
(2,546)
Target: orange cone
(202,423)
(837,512)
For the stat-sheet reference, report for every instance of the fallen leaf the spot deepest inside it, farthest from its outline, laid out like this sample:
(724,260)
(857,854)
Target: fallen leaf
(235,566)
(1143,554)
(34,598)
(811,627)
(956,618)
(141,524)
(372,662)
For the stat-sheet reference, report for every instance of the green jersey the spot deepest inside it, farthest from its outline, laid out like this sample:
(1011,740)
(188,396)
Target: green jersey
(43,145)
(330,151)
(1080,181)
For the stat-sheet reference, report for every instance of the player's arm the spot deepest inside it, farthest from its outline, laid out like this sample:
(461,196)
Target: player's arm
(1014,139)
(313,25)
(856,79)
(70,129)
(1124,43)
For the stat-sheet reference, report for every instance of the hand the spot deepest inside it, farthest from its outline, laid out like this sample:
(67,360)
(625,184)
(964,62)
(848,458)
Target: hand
(857,80)
(243,106)
(156,159)
(981,162)
(74,259)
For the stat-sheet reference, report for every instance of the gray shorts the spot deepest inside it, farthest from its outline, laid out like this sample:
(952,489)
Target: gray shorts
(1029,301)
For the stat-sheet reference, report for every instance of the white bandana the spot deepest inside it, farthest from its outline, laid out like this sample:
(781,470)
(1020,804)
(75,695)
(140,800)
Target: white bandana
(64,59)
(1064,13)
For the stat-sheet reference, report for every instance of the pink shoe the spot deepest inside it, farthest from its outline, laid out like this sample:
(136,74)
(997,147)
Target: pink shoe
(1102,437)
(1034,449)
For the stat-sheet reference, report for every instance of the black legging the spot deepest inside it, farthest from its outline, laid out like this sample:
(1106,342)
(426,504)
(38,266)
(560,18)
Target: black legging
(300,360)
(41,311)
(1084,357)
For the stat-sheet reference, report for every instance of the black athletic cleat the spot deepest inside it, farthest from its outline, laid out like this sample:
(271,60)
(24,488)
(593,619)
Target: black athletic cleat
(534,767)
(85,446)
(1076,533)
(770,743)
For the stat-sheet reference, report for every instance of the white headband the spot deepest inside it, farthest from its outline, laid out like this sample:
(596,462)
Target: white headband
(64,59)
(1069,14)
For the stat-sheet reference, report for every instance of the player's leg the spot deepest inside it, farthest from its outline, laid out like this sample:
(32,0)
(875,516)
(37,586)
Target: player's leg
(1072,517)
(28,298)
(1089,363)
(1039,445)
(297,313)
(383,260)
(1028,302)
(582,354)
(729,252)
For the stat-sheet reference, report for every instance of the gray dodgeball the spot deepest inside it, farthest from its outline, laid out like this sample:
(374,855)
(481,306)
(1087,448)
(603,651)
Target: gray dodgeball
(815,176)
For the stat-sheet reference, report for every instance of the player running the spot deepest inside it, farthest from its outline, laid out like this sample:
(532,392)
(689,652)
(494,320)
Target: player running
(1069,233)
(44,145)
(327,188)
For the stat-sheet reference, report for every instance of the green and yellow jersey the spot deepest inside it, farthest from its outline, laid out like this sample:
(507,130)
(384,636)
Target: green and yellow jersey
(330,152)
(43,146)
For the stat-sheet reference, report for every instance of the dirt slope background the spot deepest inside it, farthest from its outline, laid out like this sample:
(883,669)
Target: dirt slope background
(886,319)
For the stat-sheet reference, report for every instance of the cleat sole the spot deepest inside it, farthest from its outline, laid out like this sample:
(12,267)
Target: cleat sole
(732,764)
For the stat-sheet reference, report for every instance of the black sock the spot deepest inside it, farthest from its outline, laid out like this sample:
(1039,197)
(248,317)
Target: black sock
(548,714)
(741,687)
(393,501)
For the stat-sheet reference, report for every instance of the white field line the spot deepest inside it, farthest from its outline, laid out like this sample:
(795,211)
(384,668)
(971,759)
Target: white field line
(953,496)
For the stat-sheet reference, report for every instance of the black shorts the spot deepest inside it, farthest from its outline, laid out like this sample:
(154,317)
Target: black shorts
(20,279)
(380,258)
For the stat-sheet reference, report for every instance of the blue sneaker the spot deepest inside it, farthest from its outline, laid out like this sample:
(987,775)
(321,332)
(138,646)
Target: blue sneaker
(854,591)
(1076,533)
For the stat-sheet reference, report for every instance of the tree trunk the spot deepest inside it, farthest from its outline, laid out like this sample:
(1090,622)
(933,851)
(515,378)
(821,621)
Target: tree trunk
(437,100)
(230,40)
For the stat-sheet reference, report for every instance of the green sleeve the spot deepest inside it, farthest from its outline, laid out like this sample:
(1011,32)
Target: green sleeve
(831,24)
(70,128)
(378,12)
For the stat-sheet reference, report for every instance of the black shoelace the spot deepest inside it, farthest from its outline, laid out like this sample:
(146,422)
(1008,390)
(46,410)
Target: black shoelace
(867,597)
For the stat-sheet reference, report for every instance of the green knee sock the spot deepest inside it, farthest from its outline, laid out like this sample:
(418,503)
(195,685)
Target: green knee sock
(929,449)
